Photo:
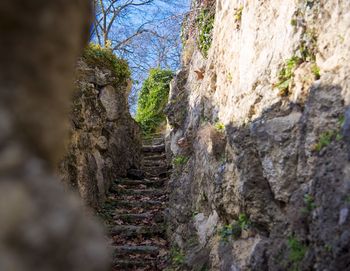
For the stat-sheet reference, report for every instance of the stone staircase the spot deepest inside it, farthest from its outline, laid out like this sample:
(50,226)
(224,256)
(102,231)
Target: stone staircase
(138,229)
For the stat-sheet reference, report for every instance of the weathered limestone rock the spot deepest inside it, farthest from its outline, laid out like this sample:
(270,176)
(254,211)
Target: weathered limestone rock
(42,227)
(105,142)
(278,175)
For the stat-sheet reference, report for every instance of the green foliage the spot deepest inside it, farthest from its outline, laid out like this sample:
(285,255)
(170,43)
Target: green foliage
(177,256)
(243,221)
(297,251)
(309,202)
(238,14)
(235,229)
(325,139)
(205,22)
(102,57)
(220,127)
(316,71)
(180,160)
(229,77)
(286,75)
(227,231)
(153,99)
(341,120)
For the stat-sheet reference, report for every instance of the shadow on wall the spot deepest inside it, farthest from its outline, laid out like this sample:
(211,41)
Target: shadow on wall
(286,171)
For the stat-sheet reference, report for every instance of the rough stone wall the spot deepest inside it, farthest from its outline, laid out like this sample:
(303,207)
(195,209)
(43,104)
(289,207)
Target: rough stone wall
(42,227)
(105,141)
(266,185)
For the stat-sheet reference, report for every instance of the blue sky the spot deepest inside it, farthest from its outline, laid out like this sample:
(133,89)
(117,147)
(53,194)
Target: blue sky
(159,46)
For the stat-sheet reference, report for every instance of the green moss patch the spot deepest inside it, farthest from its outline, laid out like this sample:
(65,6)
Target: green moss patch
(104,58)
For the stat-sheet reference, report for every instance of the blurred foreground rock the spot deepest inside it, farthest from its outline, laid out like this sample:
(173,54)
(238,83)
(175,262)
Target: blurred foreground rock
(42,228)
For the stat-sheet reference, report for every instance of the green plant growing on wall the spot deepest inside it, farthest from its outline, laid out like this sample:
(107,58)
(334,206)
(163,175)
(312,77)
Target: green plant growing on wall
(153,99)
(229,230)
(103,57)
(238,16)
(316,71)
(177,256)
(220,127)
(205,23)
(309,202)
(243,221)
(180,160)
(325,139)
(235,229)
(297,252)
(286,75)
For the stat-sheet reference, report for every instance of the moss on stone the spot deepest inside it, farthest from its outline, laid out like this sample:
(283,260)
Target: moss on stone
(102,57)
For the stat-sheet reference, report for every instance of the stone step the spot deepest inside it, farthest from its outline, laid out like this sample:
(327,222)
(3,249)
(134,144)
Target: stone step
(155,163)
(133,230)
(130,218)
(155,170)
(153,148)
(160,174)
(151,156)
(148,183)
(126,264)
(153,141)
(143,192)
(122,250)
(138,204)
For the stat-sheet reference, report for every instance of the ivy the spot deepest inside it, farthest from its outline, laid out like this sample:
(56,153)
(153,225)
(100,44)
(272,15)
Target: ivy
(205,23)
(153,99)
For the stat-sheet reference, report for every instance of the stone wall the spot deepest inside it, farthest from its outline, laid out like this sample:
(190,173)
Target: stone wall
(264,127)
(105,142)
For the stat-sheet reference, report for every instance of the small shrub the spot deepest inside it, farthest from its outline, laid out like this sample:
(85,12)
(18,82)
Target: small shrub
(103,57)
(180,160)
(205,22)
(297,251)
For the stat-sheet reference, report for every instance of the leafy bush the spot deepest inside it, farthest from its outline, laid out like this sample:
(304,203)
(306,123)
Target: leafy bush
(205,23)
(153,99)
(102,57)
